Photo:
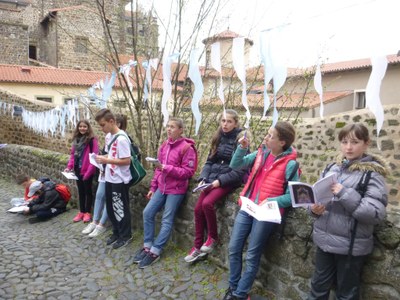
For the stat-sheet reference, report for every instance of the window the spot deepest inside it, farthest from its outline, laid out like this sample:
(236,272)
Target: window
(44,98)
(359,99)
(81,45)
(67,99)
(32,52)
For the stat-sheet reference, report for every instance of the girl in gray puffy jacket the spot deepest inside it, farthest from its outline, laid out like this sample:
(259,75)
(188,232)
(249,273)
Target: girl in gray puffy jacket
(343,229)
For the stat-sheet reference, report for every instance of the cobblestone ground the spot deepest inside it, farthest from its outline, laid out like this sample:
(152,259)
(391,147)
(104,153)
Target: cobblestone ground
(53,260)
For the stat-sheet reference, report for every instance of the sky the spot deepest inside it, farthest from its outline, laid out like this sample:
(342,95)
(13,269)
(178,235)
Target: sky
(307,31)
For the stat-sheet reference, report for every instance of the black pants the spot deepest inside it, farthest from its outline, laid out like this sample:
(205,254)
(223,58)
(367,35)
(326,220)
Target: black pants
(85,194)
(49,213)
(330,267)
(117,204)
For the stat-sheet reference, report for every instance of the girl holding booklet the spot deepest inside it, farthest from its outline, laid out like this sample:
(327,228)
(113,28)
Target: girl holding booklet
(272,164)
(216,180)
(83,143)
(343,228)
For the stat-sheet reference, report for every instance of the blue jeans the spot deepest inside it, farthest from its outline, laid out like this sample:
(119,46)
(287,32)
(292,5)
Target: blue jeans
(157,202)
(259,232)
(100,211)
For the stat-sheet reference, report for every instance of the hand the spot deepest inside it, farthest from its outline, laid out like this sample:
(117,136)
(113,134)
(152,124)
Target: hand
(101,159)
(67,170)
(149,195)
(215,184)
(26,211)
(160,166)
(244,142)
(336,188)
(317,209)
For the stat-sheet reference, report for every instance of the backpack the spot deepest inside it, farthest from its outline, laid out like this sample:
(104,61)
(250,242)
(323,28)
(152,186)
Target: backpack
(62,189)
(64,192)
(135,166)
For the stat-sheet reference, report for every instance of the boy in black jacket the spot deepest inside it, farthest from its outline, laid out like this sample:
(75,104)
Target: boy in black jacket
(48,204)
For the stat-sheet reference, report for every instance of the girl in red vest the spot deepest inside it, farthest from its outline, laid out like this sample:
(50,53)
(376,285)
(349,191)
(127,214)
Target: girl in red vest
(273,164)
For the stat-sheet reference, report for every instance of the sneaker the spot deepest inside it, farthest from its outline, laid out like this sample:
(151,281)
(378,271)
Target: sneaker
(97,231)
(209,245)
(121,243)
(78,217)
(111,240)
(148,260)
(87,217)
(229,295)
(194,255)
(140,254)
(89,228)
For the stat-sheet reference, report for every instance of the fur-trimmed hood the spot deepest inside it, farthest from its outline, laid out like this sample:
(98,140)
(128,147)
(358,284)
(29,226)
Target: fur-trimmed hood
(369,162)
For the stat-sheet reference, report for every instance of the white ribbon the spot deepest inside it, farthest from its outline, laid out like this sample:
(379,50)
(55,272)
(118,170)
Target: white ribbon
(107,89)
(195,76)
(373,100)
(319,89)
(167,87)
(238,64)
(216,64)
(147,65)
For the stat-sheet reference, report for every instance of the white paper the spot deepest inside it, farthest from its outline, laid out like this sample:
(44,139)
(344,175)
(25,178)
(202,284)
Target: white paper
(202,187)
(268,212)
(70,175)
(303,194)
(152,160)
(17,209)
(92,160)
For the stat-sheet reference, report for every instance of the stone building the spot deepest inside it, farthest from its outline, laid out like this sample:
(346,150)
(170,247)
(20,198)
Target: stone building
(71,34)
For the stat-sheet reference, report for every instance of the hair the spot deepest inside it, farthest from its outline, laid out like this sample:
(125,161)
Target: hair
(105,114)
(88,135)
(286,133)
(178,121)
(217,135)
(21,178)
(359,130)
(122,120)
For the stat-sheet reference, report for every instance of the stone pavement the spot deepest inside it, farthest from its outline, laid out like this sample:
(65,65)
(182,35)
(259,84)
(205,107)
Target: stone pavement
(53,260)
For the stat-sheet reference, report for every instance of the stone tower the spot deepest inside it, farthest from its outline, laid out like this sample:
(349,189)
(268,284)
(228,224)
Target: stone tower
(70,33)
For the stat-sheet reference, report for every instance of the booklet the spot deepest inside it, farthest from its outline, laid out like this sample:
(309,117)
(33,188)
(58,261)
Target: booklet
(202,187)
(92,160)
(268,211)
(70,175)
(17,209)
(152,160)
(304,194)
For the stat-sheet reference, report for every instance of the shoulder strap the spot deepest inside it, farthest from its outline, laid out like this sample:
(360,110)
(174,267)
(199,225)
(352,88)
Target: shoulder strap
(291,176)
(328,167)
(363,183)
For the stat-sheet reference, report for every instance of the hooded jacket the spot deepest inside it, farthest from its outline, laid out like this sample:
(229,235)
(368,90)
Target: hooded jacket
(217,167)
(49,198)
(332,230)
(87,169)
(179,163)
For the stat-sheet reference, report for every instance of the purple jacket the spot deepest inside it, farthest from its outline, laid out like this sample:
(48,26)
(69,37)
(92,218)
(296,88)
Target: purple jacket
(180,162)
(87,169)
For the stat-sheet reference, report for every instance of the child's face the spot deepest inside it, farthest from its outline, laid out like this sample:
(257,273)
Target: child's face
(228,123)
(83,128)
(173,130)
(25,184)
(272,141)
(352,148)
(106,126)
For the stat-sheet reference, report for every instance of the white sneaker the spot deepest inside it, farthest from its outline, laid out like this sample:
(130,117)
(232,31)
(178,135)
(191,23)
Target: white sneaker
(97,231)
(89,228)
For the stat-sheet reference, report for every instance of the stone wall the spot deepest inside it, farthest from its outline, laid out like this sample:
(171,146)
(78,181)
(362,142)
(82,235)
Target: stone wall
(287,264)
(13,43)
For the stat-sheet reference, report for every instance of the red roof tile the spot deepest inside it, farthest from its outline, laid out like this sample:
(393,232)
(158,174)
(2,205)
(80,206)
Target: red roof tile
(225,35)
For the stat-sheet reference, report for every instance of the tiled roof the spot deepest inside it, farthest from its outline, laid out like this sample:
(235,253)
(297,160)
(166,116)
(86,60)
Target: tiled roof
(225,35)
(293,100)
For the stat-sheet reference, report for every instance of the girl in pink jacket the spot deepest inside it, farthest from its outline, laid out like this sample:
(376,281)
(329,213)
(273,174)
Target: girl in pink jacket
(83,143)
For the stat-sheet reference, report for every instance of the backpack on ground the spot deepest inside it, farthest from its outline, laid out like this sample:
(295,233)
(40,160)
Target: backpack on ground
(135,167)
(64,192)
